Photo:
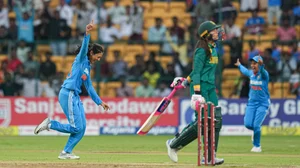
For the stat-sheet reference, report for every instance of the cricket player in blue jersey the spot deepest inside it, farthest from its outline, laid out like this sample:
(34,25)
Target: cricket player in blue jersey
(259,98)
(69,98)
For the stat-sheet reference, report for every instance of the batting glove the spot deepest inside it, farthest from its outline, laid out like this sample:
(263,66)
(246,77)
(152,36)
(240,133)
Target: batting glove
(196,98)
(184,82)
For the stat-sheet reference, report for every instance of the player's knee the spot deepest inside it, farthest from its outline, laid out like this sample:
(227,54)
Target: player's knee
(248,125)
(256,128)
(78,129)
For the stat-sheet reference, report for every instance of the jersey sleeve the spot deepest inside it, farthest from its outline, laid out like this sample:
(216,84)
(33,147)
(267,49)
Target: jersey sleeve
(90,89)
(198,63)
(263,72)
(244,70)
(84,48)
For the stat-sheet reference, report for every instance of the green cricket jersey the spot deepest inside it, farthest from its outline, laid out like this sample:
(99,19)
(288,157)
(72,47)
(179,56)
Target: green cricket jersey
(204,68)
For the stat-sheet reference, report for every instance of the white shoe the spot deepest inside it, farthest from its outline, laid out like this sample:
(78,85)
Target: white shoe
(218,161)
(172,153)
(256,149)
(42,126)
(70,156)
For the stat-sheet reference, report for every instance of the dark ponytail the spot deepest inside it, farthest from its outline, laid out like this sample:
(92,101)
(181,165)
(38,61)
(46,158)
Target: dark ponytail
(96,48)
(203,43)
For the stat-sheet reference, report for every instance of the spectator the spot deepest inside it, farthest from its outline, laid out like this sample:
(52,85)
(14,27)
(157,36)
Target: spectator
(42,30)
(137,25)
(249,5)
(109,33)
(116,12)
(24,5)
(151,75)
(274,10)
(124,90)
(232,30)
(275,51)
(126,24)
(3,39)
(152,60)
(22,51)
(136,7)
(178,66)
(137,70)
(59,33)
(13,30)
(8,86)
(203,11)
(144,90)
(162,90)
(286,14)
(235,51)
(3,15)
(296,14)
(119,66)
(25,25)
(47,68)
(286,66)
(19,75)
(295,81)
(156,34)
(176,30)
(13,62)
(270,65)
(82,15)
(57,81)
(99,15)
(286,33)
(65,12)
(104,69)
(3,70)
(287,5)
(253,51)
(31,63)
(48,90)
(74,41)
(32,86)
(169,74)
(295,52)
(255,24)
(227,10)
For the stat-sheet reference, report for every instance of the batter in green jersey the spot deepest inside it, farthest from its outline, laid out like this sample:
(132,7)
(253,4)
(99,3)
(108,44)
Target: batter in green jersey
(202,85)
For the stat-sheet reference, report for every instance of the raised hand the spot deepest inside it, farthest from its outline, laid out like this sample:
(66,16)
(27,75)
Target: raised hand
(89,27)
(260,61)
(237,62)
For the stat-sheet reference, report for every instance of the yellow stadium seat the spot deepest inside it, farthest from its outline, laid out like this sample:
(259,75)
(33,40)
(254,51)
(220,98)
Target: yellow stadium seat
(54,3)
(244,15)
(226,58)
(109,4)
(11,15)
(145,34)
(177,6)
(133,84)
(263,14)
(231,73)
(159,6)
(2,58)
(126,2)
(151,48)
(236,5)
(112,48)
(42,49)
(298,31)
(165,60)
(94,35)
(146,6)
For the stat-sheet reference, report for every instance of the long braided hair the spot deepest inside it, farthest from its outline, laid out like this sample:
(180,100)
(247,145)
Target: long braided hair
(96,48)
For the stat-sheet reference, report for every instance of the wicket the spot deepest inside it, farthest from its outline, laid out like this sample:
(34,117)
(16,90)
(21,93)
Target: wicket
(206,129)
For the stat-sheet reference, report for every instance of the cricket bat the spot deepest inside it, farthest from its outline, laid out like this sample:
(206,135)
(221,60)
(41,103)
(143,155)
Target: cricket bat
(156,114)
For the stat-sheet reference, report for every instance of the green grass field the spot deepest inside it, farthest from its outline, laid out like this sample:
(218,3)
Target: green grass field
(147,151)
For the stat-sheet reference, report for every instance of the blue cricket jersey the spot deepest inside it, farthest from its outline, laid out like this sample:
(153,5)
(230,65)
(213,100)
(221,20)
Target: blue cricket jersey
(80,73)
(259,92)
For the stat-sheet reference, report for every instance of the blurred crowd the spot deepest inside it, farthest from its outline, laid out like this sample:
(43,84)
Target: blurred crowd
(24,23)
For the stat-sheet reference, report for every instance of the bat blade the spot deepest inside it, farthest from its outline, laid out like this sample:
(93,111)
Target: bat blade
(154,117)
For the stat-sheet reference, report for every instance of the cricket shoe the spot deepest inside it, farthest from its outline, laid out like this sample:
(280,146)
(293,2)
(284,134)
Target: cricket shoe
(218,161)
(172,153)
(256,149)
(68,156)
(42,126)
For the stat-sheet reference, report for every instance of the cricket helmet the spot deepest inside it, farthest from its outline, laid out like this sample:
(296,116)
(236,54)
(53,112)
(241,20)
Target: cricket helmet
(206,27)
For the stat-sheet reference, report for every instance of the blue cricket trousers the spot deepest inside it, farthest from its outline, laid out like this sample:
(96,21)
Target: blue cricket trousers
(73,109)
(253,119)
